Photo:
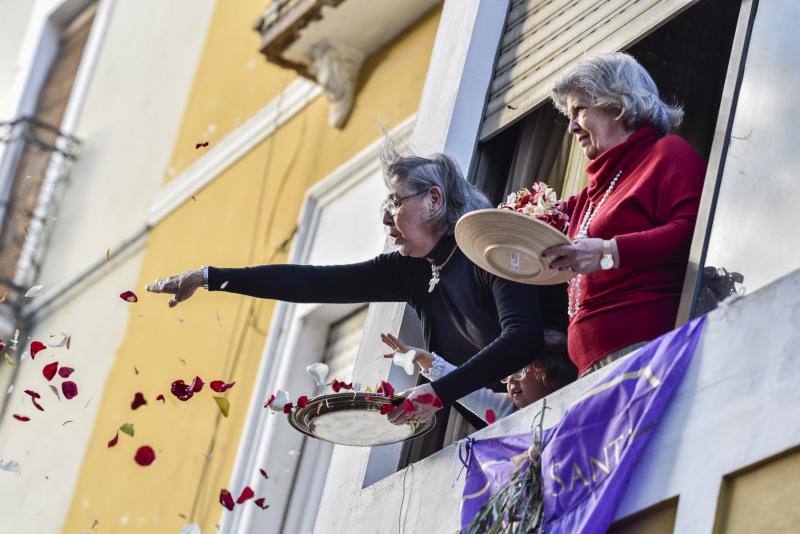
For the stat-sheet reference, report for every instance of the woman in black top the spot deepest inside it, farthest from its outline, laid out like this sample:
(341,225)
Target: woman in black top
(487,326)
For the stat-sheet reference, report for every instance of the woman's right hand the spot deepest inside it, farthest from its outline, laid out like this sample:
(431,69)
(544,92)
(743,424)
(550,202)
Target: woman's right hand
(181,286)
(423,358)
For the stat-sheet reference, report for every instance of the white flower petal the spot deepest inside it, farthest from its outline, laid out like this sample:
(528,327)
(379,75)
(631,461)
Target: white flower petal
(405,360)
(33,292)
(61,341)
(12,466)
(281,399)
(319,371)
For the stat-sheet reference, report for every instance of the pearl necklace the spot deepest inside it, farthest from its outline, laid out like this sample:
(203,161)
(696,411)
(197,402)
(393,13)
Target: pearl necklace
(583,233)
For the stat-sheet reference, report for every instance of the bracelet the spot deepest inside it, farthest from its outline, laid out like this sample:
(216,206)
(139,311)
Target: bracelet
(204,268)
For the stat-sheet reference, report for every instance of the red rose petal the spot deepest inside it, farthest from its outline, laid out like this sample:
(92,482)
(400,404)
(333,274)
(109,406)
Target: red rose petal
(387,409)
(129,296)
(138,400)
(247,493)
(36,346)
(408,407)
(38,406)
(32,393)
(145,455)
(225,499)
(21,418)
(302,401)
(336,386)
(269,401)
(114,441)
(220,387)
(264,474)
(197,384)
(69,389)
(2,346)
(490,417)
(64,372)
(348,385)
(181,390)
(161,398)
(287,408)
(260,503)
(386,388)
(49,370)
(202,144)
(437,403)
(425,398)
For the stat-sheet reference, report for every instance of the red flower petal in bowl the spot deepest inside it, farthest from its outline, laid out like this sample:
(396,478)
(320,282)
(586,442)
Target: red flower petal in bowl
(145,455)
(49,370)
(287,408)
(490,416)
(138,400)
(197,384)
(247,493)
(69,389)
(387,409)
(302,401)
(225,499)
(36,346)
(408,407)
(181,390)
(220,387)
(386,388)
(129,296)
(64,372)
(437,403)
(260,503)
(114,441)
(425,398)
(336,386)
(21,418)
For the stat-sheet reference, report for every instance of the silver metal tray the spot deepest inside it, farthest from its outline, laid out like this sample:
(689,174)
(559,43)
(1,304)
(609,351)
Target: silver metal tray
(355,419)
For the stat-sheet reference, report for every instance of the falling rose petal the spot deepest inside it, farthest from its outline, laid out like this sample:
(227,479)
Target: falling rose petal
(114,440)
(61,341)
(129,296)
(33,292)
(21,418)
(264,474)
(405,360)
(38,406)
(2,346)
(32,393)
(437,403)
(181,390)
(12,466)
(161,398)
(247,493)
(490,416)
(425,398)
(223,404)
(302,401)
(219,386)
(145,455)
(69,389)
(127,428)
(64,372)
(278,401)
(408,407)
(319,371)
(387,409)
(55,391)
(36,346)
(287,408)
(138,400)
(49,370)
(269,400)
(201,144)
(197,384)
(386,388)
(260,503)
(225,499)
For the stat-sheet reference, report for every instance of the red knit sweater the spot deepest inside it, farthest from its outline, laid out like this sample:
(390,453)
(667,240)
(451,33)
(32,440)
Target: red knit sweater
(651,213)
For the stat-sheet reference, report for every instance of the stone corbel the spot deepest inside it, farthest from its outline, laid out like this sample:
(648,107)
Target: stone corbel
(336,67)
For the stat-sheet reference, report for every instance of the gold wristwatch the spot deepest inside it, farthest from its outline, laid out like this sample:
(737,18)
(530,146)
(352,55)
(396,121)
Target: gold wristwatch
(607,259)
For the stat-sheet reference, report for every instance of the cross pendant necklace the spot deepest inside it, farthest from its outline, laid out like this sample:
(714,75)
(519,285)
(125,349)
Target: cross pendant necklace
(436,269)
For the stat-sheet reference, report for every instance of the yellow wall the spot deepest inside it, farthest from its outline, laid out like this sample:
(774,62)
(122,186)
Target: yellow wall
(658,519)
(238,219)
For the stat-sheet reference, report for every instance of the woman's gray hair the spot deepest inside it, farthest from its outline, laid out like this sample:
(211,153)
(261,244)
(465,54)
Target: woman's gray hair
(416,174)
(620,84)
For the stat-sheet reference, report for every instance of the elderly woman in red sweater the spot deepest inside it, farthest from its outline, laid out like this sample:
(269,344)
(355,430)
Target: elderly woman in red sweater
(632,226)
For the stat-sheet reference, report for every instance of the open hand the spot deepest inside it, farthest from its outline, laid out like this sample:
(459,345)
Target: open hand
(180,286)
(423,358)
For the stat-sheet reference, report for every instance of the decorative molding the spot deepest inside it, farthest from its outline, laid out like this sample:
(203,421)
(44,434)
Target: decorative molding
(336,67)
(270,118)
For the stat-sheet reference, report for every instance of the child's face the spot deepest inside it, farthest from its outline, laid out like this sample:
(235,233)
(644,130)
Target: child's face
(527,390)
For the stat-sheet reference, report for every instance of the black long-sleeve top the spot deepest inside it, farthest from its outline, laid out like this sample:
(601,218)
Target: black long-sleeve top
(487,326)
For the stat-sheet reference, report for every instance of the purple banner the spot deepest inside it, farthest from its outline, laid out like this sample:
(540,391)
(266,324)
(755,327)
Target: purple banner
(588,457)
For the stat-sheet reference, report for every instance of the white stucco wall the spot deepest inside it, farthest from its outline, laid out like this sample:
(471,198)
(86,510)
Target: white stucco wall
(729,412)
(135,100)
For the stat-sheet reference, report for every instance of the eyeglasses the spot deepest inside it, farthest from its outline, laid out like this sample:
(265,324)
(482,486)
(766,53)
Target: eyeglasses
(391,205)
(521,374)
